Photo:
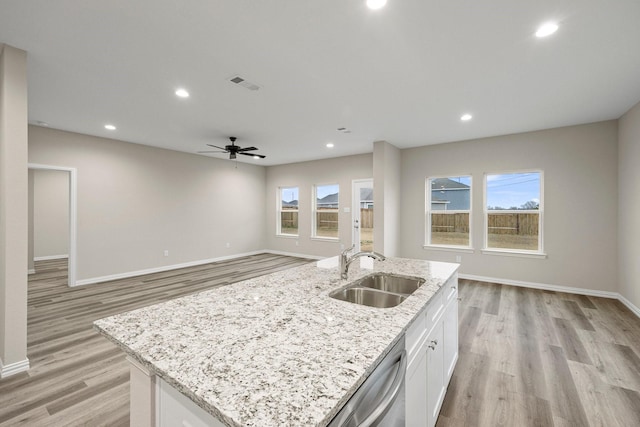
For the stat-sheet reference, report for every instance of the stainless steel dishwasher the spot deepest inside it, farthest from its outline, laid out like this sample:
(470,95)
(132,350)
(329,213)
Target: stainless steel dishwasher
(380,400)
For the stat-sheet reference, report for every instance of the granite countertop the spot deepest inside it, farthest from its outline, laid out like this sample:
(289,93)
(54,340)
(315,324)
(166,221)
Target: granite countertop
(275,350)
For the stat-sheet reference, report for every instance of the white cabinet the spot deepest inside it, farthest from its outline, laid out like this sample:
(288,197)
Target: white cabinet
(416,390)
(432,348)
(174,409)
(450,338)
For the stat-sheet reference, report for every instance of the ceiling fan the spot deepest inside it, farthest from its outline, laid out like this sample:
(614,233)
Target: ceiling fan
(234,149)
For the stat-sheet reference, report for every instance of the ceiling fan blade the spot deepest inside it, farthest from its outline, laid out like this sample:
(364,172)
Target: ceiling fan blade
(247,149)
(215,146)
(200,152)
(253,155)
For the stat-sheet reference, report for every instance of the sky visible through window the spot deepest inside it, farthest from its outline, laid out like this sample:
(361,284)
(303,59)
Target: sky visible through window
(513,190)
(289,194)
(325,190)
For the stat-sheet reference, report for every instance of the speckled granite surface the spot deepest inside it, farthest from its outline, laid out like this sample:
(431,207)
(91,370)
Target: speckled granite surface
(274,350)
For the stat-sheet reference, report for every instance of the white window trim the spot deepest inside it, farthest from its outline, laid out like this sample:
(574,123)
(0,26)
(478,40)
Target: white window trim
(279,211)
(428,211)
(486,250)
(449,248)
(314,200)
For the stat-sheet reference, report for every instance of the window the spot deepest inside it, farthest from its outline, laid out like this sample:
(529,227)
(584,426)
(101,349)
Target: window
(325,211)
(513,211)
(448,211)
(288,211)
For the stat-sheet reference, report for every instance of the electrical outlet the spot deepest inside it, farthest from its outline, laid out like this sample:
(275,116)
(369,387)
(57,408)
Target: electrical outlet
(458,258)
(166,252)
(297,243)
(342,246)
(228,245)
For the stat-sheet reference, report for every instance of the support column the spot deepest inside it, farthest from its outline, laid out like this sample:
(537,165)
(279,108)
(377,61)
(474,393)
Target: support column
(13,211)
(386,198)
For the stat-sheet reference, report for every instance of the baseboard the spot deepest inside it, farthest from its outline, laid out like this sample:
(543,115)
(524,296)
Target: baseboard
(13,368)
(542,286)
(93,280)
(635,310)
(50,257)
(269,251)
(566,289)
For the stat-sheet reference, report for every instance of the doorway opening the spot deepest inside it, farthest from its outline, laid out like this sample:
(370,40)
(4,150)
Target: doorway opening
(72,217)
(362,214)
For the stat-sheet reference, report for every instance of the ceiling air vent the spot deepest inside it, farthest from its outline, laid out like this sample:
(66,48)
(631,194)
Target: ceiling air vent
(244,83)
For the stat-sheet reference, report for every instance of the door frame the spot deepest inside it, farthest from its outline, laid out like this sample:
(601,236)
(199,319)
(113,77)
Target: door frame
(73,216)
(355,208)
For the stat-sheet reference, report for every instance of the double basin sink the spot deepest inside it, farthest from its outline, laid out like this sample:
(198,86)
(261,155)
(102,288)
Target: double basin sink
(380,290)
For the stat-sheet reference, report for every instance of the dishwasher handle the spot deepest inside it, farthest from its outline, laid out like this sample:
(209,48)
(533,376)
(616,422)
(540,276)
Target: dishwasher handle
(390,396)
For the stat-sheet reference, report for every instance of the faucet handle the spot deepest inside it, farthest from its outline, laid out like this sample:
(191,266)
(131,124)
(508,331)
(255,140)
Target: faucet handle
(346,251)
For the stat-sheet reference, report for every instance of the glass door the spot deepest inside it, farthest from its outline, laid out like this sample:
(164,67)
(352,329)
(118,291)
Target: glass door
(362,212)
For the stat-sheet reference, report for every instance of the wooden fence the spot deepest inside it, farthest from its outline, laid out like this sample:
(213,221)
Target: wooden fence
(450,223)
(366,218)
(326,218)
(521,224)
(289,219)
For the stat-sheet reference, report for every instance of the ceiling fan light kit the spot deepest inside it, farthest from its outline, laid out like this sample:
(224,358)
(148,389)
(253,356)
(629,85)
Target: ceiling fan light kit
(234,149)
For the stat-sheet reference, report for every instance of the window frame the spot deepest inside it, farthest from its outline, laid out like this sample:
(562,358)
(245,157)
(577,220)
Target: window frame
(314,211)
(539,253)
(279,211)
(428,212)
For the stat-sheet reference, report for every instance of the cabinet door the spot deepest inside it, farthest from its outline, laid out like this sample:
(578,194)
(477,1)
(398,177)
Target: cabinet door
(435,374)
(176,410)
(416,390)
(450,329)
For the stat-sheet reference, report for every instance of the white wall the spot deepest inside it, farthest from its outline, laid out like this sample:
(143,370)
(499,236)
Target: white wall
(580,198)
(135,202)
(50,213)
(305,175)
(629,205)
(14,211)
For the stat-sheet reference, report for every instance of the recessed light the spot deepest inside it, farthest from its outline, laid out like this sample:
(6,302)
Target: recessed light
(110,127)
(466,117)
(330,145)
(546,29)
(182,93)
(376,4)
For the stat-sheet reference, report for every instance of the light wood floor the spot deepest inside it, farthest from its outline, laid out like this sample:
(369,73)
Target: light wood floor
(78,377)
(527,357)
(537,358)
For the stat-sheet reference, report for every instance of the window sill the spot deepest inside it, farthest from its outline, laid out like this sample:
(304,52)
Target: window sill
(326,239)
(288,236)
(521,254)
(463,249)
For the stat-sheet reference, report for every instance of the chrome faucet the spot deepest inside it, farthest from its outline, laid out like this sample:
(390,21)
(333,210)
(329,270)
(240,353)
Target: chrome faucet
(345,260)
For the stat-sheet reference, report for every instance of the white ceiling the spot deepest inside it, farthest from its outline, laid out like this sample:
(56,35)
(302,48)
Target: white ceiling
(404,74)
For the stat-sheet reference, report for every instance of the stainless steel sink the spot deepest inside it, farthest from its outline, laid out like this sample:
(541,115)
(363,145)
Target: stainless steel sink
(370,297)
(391,283)
(380,290)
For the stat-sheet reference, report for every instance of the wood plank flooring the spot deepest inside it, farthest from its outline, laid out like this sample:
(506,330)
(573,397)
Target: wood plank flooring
(527,357)
(538,358)
(78,377)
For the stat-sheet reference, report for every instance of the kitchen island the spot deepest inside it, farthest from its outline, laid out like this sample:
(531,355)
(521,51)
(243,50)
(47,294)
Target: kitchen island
(270,351)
